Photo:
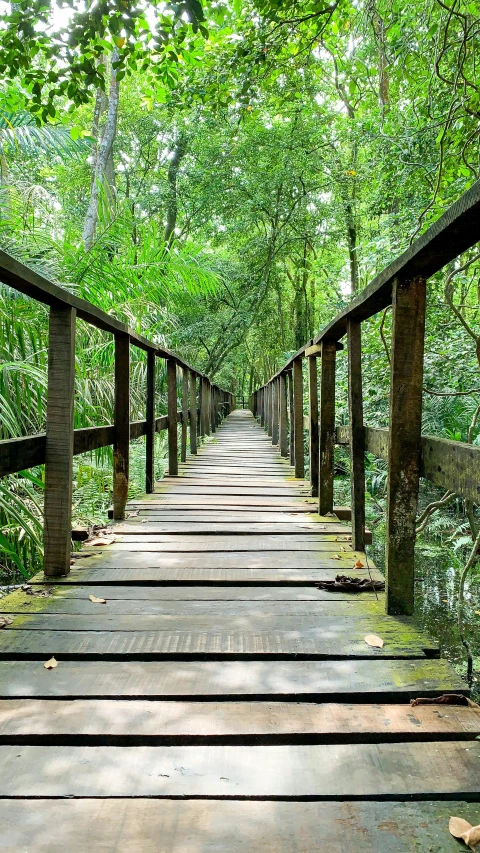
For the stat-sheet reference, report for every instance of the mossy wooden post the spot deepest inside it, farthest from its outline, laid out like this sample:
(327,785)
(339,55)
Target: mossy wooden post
(193,412)
(298,417)
(275,411)
(262,406)
(327,427)
(269,410)
(213,407)
(121,447)
(357,434)
(311,354)
(150,435)
(59,442)
(172,417)
(291,418)
(282,415)
(183,440)
(406,381)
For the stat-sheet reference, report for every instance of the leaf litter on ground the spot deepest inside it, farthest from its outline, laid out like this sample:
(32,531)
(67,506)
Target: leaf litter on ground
(464,831)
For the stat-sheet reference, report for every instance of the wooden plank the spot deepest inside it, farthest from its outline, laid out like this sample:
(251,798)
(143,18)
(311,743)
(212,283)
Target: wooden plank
(327,428)
(195,723)
(52,826)
(121,447)
(190,513)
(445,240)
(150,423)
(197,543)
(200,637)
(284,559)
(193,413)
(233,491)
(357,434)
(154,594)
(137,529)
(313,424)
(317,681)
(59,442)
(406,383)
(381,771)
(167,500)
(298,417)
(172,417)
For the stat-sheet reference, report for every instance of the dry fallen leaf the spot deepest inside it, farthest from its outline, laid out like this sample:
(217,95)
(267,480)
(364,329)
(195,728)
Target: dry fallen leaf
(4,621)
(359,565)
(461,828)
(101,540)
(373,640)
(336,557)
(50,664)
(97,600)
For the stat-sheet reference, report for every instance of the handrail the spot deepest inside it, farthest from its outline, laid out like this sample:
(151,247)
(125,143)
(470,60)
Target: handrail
(203,407)
(410,455)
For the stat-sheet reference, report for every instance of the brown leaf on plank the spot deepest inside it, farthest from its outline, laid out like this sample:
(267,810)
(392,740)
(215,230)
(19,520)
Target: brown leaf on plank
(96,600)
(359,565)
(5,621)
(462,829)
(50,664)
(336,557)
(374,641)
(100,540)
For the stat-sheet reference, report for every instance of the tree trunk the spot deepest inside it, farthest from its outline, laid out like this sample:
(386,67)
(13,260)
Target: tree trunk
(104,159)
(172,208)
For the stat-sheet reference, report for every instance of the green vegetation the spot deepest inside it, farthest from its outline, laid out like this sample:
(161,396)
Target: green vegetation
(224,176)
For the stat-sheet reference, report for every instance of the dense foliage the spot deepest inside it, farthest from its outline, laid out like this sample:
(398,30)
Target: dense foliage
(224,176)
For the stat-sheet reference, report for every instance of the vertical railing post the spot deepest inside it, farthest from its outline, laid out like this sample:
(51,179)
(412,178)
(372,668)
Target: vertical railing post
(208,405)
(327,427)
(193,412)
(150,436)
(59,443)
(313,419)
(282,409)
(270,410)
(172,417)
(200,409)
(357,434)
(262,406)
(183,443)
(298,417)
(404,440)
(121,448)
(291,417)
(275,411)
(213,408)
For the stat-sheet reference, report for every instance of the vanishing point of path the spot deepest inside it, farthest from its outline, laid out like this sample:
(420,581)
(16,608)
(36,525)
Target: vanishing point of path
(219,700)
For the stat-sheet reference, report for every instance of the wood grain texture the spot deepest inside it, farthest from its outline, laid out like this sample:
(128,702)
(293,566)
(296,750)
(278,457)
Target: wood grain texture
(59,441)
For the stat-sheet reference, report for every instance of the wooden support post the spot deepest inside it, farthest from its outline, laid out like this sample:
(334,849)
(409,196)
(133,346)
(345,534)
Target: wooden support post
(275,411)
(313,422)
(208,405)
(291,418)
(59,443)
(357,434)
(172,417)
(200,408)
(406,381)
(262,407)
(150,435)
(183,444)
(121,448)
(213,420)
(298,417)
(193,413)
(270,410)
(327,427)
(282,409)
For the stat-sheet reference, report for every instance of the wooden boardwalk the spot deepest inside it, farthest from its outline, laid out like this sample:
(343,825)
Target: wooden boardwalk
(218,700)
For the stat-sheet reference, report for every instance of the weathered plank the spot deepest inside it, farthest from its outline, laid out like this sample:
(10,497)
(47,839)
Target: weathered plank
(107,721)
(53,826)
(359,771)
(320,681)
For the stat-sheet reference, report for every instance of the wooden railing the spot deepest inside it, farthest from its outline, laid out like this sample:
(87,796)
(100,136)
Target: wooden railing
(449,464)
(203,405)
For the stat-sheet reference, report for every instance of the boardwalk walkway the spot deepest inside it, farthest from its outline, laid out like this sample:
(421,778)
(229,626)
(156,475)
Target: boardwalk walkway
(218,700)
